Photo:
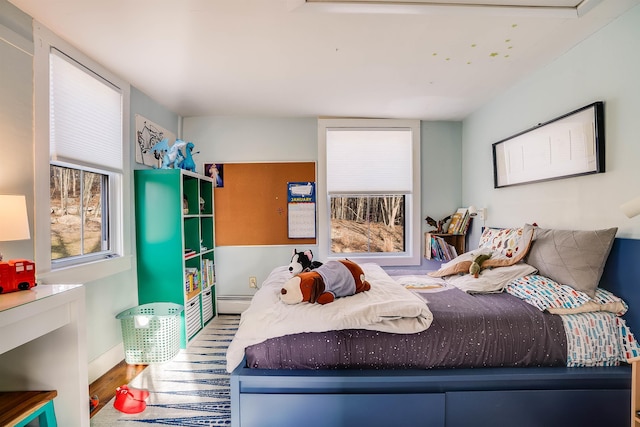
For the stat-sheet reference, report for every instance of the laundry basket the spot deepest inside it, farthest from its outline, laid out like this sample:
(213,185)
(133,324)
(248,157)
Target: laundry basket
(151,332)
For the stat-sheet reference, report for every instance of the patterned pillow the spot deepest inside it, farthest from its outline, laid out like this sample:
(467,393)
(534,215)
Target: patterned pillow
(503,241)
(546,294)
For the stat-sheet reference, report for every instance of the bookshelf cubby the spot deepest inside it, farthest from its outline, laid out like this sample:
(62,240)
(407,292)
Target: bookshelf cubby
(458,241)
(175,235)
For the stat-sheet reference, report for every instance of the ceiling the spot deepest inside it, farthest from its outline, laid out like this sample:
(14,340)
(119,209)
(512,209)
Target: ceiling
(291,58)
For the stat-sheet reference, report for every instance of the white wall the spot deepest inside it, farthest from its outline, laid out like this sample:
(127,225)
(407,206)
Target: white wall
(243,139)
(604,67)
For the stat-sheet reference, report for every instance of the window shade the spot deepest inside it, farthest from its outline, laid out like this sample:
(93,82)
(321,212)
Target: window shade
(85,116)
(362,160)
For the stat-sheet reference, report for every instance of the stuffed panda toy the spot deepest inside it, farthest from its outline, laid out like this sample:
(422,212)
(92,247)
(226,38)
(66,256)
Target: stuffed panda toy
(302,261)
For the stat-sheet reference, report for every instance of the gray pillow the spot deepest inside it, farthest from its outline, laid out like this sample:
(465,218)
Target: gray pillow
(571,257)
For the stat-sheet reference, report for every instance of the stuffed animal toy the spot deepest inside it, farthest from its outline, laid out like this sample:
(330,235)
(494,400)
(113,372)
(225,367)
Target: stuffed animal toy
(302,261)
(476,265)
(464,267)
(323,285)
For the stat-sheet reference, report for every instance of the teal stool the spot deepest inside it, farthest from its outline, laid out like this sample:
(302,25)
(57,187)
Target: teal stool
(19,408)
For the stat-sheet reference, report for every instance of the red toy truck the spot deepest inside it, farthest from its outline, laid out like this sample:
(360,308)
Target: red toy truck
(17,275)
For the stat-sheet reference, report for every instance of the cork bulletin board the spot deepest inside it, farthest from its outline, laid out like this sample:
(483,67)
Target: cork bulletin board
(251,207)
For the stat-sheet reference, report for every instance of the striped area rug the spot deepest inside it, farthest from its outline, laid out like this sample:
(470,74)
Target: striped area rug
(190,390)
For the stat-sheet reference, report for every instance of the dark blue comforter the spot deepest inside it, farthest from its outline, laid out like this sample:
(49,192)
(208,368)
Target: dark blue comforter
(468,331)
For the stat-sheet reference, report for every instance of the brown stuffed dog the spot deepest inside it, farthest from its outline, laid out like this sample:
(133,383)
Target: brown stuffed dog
(331,280)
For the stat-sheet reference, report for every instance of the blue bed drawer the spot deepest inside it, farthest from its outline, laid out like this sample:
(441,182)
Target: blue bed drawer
(535,408)
(336,410)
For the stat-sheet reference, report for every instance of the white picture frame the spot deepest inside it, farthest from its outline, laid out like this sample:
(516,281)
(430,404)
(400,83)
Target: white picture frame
(568,146)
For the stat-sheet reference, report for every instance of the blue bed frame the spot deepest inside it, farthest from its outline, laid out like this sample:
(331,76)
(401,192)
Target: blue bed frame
(484,397)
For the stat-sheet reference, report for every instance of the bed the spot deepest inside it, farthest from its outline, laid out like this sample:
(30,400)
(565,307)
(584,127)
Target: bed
(414,393)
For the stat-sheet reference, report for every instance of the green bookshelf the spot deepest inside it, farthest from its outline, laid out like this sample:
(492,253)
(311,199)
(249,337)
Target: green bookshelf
(175,244)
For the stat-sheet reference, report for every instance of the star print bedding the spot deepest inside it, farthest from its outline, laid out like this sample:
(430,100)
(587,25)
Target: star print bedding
(467,330)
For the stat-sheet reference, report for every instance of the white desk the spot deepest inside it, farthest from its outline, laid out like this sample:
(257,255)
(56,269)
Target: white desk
(43,346)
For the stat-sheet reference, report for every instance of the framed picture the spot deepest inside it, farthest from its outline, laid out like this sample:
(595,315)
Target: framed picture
(148,134)
(216,172)
(567,146)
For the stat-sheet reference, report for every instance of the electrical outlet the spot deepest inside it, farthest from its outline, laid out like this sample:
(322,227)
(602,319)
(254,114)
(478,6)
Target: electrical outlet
(253,282)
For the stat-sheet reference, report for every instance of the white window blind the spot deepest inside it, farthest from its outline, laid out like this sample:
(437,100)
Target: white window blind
(361,160)
(85,116)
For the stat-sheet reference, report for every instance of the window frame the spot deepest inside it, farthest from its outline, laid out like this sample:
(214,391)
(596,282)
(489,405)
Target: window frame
(412,253)
(96,266)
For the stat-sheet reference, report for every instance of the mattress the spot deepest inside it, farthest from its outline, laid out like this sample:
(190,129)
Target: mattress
(468,330)
(418,323)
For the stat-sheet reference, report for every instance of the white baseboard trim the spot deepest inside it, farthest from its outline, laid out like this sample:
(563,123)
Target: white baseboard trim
(233,304)
(103,363)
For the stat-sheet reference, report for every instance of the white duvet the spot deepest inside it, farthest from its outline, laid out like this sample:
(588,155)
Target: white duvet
(386,307)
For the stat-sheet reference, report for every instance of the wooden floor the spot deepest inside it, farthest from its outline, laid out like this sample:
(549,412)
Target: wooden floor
(105,386)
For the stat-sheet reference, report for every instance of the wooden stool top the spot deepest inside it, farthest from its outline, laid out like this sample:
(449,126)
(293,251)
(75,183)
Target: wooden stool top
(17,405)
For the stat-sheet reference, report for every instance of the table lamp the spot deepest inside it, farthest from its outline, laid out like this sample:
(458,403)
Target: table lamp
(14,222)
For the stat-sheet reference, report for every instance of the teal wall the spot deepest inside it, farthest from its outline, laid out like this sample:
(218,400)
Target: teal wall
(605,66)
(105,297)
(111,295)
(16,117)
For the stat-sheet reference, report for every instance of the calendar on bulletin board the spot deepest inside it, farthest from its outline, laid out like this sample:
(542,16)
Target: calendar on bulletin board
(301,207)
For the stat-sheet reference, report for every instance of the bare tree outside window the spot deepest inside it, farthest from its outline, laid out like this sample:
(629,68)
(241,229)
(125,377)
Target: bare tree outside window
(78,226)
(367,224)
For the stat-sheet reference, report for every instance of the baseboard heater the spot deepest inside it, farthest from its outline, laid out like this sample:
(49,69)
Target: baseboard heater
(233,304)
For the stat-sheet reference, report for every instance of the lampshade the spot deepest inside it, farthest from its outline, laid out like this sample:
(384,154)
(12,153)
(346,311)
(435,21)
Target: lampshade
(631,208)
(14,222)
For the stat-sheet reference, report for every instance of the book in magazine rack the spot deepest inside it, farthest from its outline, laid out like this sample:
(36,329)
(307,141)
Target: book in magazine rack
(536,397)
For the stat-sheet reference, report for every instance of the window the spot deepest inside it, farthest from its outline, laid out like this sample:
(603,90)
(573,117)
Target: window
(79,213)
(369,170)
(367,224)
(80,119)
(85,131)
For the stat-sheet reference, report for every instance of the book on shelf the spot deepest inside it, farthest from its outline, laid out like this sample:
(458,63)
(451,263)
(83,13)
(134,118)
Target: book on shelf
(456,218)
(437,248)
(465,227)
(189,252)
(212,273)
(208,274)
(447,250)
(203,273)
(192,279)
(463,215)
